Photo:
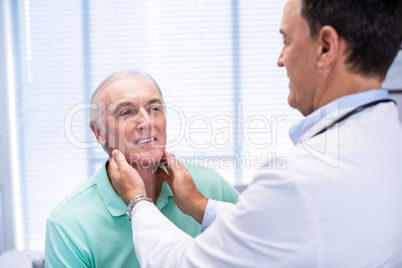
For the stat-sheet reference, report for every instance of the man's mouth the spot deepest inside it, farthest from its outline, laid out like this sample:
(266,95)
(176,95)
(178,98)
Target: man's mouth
(145,140)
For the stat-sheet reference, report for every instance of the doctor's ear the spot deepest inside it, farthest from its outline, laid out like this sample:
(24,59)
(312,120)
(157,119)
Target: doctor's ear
(330,47)
(99,134)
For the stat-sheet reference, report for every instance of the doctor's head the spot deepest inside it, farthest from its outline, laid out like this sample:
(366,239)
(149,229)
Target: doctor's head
(323,38)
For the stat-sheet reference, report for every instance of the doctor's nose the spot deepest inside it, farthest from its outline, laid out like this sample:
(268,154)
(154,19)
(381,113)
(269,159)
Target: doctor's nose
(281,62)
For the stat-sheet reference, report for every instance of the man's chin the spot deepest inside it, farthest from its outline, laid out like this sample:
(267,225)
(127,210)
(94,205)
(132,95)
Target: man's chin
(291,101)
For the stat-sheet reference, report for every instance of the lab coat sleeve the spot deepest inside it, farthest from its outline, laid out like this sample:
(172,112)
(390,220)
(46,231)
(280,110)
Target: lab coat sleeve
(212,209)
(270,225)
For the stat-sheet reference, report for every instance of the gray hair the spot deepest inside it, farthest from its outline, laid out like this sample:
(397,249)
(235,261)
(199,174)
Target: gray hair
(94,117)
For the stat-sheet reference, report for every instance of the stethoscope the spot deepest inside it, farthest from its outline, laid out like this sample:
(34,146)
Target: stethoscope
(349,114)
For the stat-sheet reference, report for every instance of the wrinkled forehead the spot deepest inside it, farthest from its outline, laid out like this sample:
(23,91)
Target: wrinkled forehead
(129,87)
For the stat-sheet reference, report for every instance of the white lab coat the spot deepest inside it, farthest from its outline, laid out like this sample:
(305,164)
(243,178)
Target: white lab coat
(338,203)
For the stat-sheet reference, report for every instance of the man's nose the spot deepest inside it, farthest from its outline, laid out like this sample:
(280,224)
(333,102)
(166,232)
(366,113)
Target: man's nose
(144,120)
(281,62)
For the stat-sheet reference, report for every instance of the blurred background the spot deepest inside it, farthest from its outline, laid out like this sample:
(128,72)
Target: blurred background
(215,62)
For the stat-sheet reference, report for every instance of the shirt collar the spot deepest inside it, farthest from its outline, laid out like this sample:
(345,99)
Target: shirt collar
(114,203)
(163,198)
(347,102)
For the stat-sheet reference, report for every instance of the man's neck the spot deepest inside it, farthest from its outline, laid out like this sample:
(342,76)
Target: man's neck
(347,84)
(152,181)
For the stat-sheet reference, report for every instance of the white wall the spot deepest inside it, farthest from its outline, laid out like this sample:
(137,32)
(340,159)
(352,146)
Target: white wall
(397,96)
(6,211)
(393,82)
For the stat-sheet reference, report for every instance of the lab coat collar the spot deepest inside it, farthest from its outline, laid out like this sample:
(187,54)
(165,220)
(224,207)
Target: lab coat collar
(333,110)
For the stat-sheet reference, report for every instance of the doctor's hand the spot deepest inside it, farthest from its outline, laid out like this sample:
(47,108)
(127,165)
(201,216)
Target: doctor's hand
(187,197)
(125,179)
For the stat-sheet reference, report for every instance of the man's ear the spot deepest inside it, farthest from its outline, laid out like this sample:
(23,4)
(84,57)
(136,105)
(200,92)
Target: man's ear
(329,48)
(99,134)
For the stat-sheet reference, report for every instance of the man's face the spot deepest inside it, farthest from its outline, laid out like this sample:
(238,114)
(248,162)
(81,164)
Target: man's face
(135,121)
(298,57)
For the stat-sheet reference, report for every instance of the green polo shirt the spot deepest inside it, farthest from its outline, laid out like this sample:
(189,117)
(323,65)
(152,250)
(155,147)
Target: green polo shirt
(90,228)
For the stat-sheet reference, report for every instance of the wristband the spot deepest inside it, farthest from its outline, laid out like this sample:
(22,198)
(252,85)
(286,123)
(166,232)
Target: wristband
(132,203)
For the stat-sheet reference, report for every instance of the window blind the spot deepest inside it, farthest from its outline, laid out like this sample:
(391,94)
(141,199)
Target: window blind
(48,56)
(215,62)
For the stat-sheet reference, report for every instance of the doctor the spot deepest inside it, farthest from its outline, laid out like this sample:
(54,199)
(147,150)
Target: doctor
(338,202)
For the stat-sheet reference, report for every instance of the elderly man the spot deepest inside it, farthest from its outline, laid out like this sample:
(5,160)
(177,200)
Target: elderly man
(90,228)
(338,202)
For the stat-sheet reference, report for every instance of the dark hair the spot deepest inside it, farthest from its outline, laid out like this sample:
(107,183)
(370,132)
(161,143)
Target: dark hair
(372,30)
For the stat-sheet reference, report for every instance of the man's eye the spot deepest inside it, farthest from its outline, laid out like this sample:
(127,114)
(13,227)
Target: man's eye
(155,108)
(125,113)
